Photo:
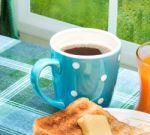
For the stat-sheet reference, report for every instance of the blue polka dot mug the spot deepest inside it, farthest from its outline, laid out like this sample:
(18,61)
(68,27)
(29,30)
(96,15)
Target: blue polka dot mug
(77,76)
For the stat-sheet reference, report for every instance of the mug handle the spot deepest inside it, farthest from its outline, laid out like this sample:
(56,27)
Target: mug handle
(35,74)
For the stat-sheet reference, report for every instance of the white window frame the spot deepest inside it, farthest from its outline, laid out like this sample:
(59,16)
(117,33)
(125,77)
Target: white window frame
(45,27)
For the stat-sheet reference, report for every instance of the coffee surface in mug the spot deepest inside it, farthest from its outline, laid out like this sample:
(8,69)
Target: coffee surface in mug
(83,49)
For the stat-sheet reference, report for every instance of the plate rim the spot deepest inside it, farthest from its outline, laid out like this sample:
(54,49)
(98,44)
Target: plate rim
(127,110)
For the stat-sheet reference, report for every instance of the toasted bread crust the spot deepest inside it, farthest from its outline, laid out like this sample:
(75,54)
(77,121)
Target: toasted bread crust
(65,122)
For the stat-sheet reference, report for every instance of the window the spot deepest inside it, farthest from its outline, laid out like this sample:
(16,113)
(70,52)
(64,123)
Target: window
(134,20)
(133,16)
(128,19)
(86,13)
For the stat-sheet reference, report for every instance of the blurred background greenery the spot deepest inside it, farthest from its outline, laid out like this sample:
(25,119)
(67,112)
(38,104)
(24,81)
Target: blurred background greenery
(133,15)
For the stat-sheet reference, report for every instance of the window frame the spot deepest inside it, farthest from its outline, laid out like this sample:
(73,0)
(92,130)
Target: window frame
(46,27)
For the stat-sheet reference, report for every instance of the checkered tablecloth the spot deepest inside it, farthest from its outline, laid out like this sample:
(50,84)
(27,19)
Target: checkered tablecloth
(19,106)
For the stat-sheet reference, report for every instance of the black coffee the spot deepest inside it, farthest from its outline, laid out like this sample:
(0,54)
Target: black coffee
(86,49)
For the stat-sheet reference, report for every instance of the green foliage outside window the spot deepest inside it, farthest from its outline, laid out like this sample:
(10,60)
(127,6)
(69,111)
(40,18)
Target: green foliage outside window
(133,15)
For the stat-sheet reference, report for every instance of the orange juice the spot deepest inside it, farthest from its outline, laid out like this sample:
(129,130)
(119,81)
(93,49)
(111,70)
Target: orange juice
(144,71)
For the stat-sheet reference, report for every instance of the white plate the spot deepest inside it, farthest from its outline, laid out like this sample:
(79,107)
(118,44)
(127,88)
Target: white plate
(134,118)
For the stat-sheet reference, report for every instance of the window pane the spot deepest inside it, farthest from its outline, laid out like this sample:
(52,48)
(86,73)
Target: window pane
(134,20)
(86,13)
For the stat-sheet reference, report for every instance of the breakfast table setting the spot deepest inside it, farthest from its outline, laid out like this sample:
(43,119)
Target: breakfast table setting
(21,99)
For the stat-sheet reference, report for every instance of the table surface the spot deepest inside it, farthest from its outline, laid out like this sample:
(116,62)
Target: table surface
(19,106)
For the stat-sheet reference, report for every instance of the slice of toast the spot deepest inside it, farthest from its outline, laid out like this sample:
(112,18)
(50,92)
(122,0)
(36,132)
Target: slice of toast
(65,122)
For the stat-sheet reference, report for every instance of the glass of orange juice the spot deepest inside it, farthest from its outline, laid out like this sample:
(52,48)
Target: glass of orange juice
(143,56)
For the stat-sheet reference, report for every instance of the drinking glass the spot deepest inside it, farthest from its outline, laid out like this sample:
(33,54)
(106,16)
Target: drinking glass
(143,56)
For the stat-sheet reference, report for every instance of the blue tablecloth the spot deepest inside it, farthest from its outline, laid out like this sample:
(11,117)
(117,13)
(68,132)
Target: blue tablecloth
(19,106)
